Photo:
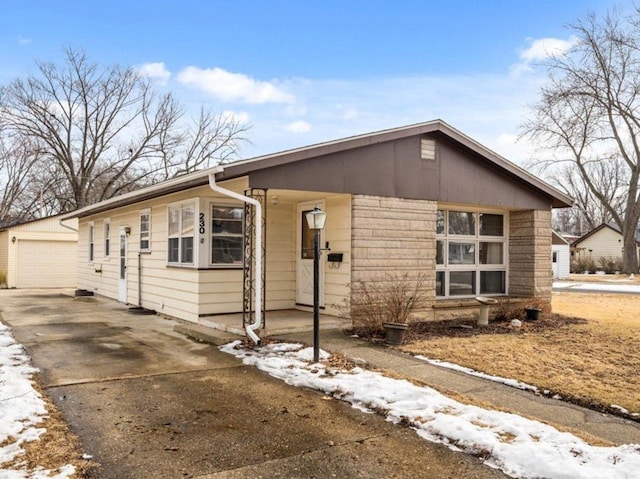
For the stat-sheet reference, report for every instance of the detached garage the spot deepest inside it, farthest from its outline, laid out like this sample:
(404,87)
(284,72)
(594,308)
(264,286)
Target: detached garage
(39,254)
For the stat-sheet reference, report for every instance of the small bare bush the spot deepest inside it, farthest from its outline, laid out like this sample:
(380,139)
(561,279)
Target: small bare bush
(508,310)
(515,309)
(582,265)
(387,300)
(610,264)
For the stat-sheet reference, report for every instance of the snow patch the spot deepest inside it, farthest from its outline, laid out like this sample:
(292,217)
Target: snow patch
(518,446)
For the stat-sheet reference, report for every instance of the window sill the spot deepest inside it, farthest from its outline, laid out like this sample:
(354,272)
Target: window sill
(467,302)
(222,268)
(181,266)
(446,303)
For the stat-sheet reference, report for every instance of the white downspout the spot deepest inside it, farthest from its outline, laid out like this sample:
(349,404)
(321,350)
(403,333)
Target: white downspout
(60,222)
(250,329)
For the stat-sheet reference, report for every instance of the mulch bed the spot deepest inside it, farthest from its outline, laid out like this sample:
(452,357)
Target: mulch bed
(464,328)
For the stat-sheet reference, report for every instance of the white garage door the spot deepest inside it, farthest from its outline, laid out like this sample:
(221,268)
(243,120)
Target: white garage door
(46,264)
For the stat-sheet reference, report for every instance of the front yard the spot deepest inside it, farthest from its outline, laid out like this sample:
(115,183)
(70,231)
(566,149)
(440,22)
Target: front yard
(593,362)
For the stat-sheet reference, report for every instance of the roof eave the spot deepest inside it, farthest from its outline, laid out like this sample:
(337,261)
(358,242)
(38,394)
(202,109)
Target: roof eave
(242,168)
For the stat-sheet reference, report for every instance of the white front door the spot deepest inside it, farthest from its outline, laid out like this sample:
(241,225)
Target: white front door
(122,266)
(304,253)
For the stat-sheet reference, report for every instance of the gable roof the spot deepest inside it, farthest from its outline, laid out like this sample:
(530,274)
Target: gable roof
(611,226)
(241,168)
(16,224)
(558,239)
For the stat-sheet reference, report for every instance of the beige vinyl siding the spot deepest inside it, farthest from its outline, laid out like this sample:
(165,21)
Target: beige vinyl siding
(281,245)
(48,225)
(603,243)
(221,290)
(338,234)
(183,292)
(191,292)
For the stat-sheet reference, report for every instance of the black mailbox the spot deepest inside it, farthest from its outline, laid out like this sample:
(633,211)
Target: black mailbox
(335,257)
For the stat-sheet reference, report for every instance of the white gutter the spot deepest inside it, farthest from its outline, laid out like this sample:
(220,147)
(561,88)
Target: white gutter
(250,329)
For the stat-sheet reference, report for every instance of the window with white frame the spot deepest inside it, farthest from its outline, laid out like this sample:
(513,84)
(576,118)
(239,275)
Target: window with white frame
(106,228)
(181,231)
(145,231)
(227,243)
(91,235)
(471,253)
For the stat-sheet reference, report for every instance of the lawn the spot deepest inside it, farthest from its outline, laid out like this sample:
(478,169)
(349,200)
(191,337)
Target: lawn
(593,363)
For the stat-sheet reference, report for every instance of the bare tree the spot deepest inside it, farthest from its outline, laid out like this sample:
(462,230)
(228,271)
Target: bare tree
(588,115)
(609,176)
(17,160)
(105,131)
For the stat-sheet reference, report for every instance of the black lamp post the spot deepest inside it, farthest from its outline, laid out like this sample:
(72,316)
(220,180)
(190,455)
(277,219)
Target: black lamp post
(316,219)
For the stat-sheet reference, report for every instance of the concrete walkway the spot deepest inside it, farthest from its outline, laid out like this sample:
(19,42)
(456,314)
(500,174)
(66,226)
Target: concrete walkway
(147,402)
(605,426)
(603,286)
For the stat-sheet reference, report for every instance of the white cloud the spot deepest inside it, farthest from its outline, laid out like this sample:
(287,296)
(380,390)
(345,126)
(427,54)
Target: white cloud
(155,71)
(540,49)
(546,47)
(238,116)
(24,40)
(299,126)
(233,87)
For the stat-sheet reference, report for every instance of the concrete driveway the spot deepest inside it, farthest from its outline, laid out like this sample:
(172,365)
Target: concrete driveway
(147,402)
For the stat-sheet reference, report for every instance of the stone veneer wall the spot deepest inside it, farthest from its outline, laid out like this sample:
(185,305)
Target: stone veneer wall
(393,236)
(530,272)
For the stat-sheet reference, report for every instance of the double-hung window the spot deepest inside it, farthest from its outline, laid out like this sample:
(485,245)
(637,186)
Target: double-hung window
(181,234)
(106,225)
(471,252)
(91,234)
(145,231)
(226,235)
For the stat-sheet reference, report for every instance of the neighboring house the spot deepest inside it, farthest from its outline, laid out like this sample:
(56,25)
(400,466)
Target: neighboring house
(40,253)
(560,256)
(423,198)
(604,241)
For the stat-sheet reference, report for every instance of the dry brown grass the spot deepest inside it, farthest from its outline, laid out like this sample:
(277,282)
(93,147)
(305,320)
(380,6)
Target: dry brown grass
(593,364)
(55,448)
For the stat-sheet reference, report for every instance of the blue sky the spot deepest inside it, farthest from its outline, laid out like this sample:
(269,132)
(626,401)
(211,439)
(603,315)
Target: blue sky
(301,72)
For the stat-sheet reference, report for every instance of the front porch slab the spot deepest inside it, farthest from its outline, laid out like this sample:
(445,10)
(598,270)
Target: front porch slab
(275,323)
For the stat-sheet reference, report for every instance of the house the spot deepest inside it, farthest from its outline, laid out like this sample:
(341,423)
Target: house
(603,243)
(421,198)
(560,256)
(39,254)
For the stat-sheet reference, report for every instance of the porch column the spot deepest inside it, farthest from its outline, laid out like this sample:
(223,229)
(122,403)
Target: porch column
(530,273)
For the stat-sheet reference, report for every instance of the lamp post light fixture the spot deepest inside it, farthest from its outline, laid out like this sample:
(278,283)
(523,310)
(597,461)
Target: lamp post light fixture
(316,219)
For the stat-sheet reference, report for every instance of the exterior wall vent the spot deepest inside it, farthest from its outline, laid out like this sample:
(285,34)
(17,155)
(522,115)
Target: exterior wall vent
(427,149)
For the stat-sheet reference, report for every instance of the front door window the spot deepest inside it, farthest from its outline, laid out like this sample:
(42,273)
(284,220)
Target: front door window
(306,251)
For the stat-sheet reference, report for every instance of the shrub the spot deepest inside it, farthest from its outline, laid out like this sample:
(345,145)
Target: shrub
(515,309)
(3,278)
(391,299)
(610,264)
(580,265)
